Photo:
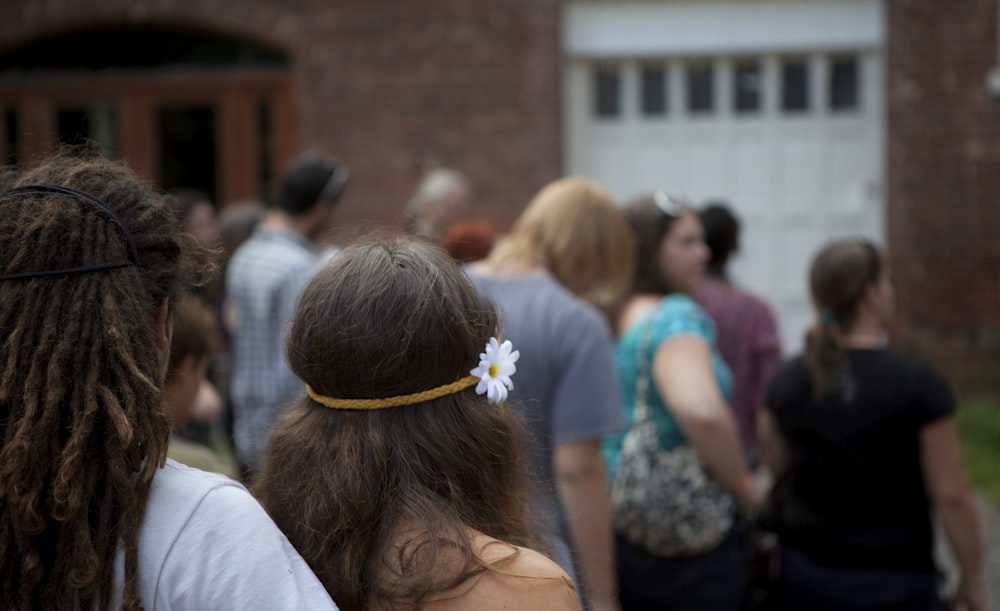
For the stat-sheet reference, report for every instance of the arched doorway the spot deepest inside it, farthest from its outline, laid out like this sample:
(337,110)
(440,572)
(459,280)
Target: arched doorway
(186,108)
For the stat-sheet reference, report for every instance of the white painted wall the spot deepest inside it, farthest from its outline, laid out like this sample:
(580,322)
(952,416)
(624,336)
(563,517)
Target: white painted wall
(628,29)
(795,179)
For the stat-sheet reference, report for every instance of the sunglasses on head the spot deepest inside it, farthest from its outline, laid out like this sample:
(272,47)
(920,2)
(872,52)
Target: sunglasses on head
(671,202)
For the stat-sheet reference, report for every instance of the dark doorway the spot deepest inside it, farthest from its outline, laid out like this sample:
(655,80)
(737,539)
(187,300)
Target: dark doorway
(97,123)
(187,149)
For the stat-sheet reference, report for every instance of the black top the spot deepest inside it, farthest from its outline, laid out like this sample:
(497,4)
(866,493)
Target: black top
(853,491)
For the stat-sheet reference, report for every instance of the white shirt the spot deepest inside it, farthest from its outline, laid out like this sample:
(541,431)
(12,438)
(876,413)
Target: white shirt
(205,543)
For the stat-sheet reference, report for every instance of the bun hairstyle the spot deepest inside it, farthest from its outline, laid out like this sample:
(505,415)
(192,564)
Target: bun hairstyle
(722,234)
(839,275)
(88,254)
(380,502)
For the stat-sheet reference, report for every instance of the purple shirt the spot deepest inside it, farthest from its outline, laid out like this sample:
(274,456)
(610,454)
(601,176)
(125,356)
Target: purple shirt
(747,338)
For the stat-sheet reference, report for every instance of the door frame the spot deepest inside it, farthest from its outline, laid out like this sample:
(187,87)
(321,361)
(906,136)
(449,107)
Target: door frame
(234,94)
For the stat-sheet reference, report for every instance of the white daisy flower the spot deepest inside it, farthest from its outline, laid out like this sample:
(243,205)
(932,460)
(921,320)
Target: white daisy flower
(496,365)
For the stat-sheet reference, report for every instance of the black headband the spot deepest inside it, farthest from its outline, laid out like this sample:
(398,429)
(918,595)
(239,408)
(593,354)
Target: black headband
(133,253)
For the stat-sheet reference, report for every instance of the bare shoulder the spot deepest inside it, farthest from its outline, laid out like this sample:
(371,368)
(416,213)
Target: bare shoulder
(634,309)
(514,560)
(520,578)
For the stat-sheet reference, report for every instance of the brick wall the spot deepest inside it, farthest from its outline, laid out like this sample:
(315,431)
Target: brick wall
(944,182)
(395,87)
(391,87)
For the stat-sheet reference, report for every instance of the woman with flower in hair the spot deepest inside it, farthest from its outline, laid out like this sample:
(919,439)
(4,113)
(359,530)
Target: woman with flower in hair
(400,475)
(864,447)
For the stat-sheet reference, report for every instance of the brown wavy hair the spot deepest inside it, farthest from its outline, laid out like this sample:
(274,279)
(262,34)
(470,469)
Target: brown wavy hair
(838,277)
(381,503)
(649,227)
(81,417)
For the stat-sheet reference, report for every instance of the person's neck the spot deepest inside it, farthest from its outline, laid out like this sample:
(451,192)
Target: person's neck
(276,220)
(634,308)
(716,273)
(865,334)
(511,267)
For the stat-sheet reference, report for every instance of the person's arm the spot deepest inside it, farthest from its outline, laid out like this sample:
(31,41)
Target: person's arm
(770,443)
(950,492)
(682,371)
(582,481)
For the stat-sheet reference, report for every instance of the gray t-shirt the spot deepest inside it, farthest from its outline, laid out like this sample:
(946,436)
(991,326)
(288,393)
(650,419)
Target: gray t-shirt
(565,386)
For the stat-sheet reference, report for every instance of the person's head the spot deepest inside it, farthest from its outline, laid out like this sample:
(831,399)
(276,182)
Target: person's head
(197,215)
(380,501)
(850,287)
(722,235)
(441,198)
(237,222)
(310,189)
(468,241)
(575,229)
(195,338)
(91,261)
(669,244)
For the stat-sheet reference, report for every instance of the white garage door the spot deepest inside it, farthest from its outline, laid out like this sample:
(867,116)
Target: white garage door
(775,107)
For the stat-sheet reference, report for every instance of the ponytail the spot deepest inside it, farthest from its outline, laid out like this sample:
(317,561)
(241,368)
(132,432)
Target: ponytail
(839,276)
(825,357)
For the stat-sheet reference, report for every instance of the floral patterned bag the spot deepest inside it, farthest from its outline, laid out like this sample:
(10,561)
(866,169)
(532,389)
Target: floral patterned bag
(664,501)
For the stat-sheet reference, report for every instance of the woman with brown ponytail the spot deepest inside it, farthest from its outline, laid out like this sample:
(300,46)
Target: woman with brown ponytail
(93,516)
(864,447)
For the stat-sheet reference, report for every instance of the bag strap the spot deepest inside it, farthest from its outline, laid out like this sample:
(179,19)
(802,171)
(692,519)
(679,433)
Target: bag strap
(642,411)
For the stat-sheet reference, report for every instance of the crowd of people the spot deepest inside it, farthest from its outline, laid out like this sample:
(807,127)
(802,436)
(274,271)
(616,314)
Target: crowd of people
(205,410)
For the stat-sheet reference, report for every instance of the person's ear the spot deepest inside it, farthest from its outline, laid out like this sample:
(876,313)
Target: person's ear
(189,366)
(871,295)
(162,326)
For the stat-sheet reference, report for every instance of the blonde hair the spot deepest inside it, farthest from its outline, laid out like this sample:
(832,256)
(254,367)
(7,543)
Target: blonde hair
(577,230)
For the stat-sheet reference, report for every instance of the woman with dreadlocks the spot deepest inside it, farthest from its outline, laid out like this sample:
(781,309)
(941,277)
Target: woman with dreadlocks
(92,515)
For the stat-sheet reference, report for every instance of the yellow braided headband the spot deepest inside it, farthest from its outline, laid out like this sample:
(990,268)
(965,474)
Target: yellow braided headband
(398,400)
(492,375)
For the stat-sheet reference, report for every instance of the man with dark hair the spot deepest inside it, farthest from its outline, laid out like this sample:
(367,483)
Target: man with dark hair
(264,280)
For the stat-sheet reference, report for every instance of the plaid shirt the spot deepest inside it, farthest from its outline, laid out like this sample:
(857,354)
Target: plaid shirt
(266,276)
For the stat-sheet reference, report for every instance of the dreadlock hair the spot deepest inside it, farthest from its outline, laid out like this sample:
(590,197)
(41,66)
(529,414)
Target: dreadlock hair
(380,502)
(82,422)
(838,277)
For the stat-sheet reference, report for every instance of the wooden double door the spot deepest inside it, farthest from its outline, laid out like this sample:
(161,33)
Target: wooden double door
(226,132)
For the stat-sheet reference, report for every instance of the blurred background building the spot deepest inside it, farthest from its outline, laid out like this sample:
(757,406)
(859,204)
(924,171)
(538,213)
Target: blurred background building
(814,118)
